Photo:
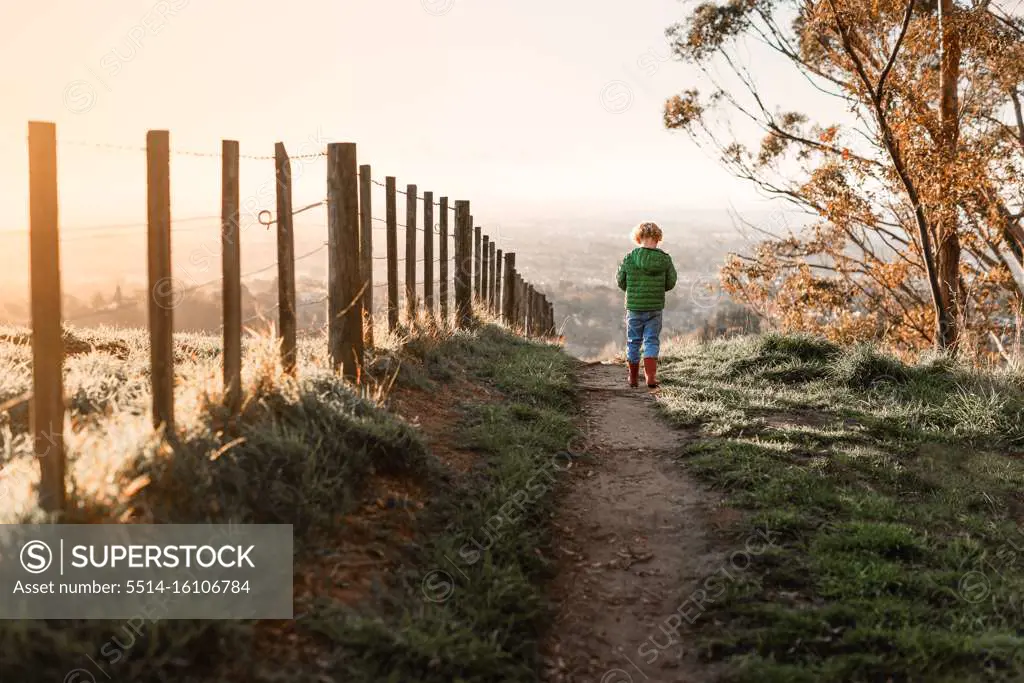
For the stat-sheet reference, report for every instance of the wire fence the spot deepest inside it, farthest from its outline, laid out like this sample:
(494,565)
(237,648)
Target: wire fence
(452,268)
(264,217)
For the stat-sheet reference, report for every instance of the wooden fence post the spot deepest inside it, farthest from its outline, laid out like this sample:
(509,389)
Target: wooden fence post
(231,274)
(457,260)
(47,404)
(476,263)
(524,303)
(366,250)
(485,263)
(535,325)
(285,259)
(495,282)
(442,255)
(521,302)
(498,283)
(528,296)
(542,306)
(463,265)
(468,236)
(334,257)
(515,298)
(352,322)
(531,301)
(528,309)
(428,253)
(538,329)
(507,288)
(410,253)
(493,285)
(392,238)
(346,324)
(545,324)
(489,273)
(161,285)
(517,305)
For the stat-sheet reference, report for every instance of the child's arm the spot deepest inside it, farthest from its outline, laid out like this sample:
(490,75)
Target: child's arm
(620,277)
(670,276)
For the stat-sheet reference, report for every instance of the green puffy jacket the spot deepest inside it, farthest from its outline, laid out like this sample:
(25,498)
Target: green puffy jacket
(645,275)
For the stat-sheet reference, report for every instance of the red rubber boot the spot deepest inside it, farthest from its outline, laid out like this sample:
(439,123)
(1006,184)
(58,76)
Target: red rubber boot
(634,374)
(651,372)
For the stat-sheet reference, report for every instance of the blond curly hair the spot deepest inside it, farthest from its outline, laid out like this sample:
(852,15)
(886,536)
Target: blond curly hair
(645,231)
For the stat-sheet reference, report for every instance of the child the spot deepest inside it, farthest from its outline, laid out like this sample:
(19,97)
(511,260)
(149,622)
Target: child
(645,275)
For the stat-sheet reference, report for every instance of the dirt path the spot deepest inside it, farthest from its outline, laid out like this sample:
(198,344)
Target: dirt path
(632,533)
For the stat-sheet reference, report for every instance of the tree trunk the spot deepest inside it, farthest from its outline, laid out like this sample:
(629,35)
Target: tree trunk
(943,320)
(948,239)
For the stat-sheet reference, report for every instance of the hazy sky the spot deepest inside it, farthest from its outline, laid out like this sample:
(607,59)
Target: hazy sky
(529,108)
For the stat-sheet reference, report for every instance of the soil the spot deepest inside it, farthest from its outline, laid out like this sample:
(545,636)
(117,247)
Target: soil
(635,537)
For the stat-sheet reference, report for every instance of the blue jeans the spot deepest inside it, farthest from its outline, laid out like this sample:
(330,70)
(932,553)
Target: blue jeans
(642,327)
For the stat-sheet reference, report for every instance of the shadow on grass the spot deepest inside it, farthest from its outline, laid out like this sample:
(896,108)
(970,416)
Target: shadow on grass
(896,511)
(471,606)
(302,453)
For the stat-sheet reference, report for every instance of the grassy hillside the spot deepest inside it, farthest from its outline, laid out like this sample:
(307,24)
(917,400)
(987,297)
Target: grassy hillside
(382,489)
(893,496)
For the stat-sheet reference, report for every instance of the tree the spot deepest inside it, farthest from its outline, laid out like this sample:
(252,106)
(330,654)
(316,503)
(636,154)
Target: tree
(915,203)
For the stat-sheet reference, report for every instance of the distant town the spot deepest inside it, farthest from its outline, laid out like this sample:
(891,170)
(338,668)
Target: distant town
(573,264)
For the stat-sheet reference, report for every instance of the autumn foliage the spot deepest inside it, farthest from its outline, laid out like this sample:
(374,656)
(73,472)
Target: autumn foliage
(913,196)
